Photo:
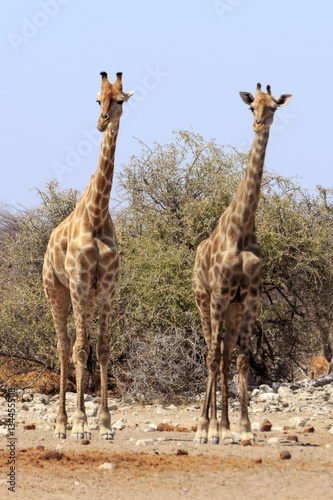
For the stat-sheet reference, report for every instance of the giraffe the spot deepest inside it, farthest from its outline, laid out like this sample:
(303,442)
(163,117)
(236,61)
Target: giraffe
(81,264)
(227,278)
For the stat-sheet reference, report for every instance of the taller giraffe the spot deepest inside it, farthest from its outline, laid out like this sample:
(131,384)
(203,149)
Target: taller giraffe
(227,280)
(81,263)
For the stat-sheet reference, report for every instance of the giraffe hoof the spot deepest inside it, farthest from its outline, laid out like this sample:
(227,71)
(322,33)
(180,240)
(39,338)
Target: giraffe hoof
(59,435)
(81,435)
(213,440)
(228,440)
(201,440)
(109,436)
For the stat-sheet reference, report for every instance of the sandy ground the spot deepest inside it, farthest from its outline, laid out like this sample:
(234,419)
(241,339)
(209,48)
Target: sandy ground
(171,467)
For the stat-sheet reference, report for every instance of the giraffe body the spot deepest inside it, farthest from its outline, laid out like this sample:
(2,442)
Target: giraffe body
(227,279)
(81,264)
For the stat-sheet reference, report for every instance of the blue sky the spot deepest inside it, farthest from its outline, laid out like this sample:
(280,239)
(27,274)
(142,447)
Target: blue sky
(186,60)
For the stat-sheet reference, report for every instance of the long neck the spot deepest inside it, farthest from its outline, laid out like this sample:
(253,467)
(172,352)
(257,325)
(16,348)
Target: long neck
(100,185)
(245,201)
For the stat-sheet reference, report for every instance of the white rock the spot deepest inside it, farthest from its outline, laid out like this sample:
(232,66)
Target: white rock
(161,411)
(265,388)
(41,398)
(153,426)
(274,440)
(148,429)
(285,392)
(269,397)
(298,422)
(59,447)
(172,408)
(91,412)
(108,465)
(119,425)
(3,432)
(255,393)
(3,401)
(145,442)
(50,418)
(331,430)
(255,426)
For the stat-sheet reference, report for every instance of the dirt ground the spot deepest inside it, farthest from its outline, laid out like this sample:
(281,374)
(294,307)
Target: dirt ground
(172,466)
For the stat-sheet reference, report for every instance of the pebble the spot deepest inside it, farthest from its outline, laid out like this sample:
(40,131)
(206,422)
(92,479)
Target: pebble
(298,422)
(285,455)
(266,426)
(145,442)
(108,466)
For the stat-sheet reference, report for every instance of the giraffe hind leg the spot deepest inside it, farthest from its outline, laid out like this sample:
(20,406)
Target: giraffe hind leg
(103,355)
(58,298)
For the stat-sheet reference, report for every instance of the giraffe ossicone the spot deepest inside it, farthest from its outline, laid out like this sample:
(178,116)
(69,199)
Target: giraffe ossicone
(227,278)
(81,264)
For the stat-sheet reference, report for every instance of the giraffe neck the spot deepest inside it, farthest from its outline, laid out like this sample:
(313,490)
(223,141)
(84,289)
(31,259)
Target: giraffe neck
(245,201)
(98,196)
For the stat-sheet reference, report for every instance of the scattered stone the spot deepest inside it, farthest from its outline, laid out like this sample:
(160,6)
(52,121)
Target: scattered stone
(194,428)
(292,437)
(165,427)
(40,447)
(148,429)
(59,447)
(181,452)
(258,461)
(52,455)
(265,388)
(85,441)
(119,425)
(266,426)
(273,440)
(309,428)
(108,466)
(247,442)
(145,442)
(285,455)
(3,432)
(255,393)
(29,427)
(331,430)
(161,411)
(172,408)
(41,398)
(255,427)
(298,422)
(269,397)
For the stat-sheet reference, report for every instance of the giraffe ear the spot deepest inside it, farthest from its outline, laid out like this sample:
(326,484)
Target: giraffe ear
(283,100)
(127,95)
(247,97)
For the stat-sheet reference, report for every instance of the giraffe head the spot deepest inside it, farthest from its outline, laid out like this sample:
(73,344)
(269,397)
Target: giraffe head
(111,98)
(263,107)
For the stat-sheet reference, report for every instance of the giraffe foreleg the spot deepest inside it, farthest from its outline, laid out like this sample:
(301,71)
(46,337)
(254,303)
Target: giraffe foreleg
(243,366)
(103,356)
(81,351)
(232,326)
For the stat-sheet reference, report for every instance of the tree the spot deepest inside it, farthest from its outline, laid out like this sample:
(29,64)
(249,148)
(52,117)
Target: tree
(171,198)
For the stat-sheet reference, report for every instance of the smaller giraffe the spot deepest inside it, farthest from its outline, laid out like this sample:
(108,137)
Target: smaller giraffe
(227,279)
(81,264)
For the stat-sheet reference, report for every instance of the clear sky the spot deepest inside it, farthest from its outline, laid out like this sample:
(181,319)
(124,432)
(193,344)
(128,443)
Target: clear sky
(186,60)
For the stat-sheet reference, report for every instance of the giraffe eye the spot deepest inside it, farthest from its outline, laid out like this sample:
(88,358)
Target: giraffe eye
(99,102)
(251,109)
